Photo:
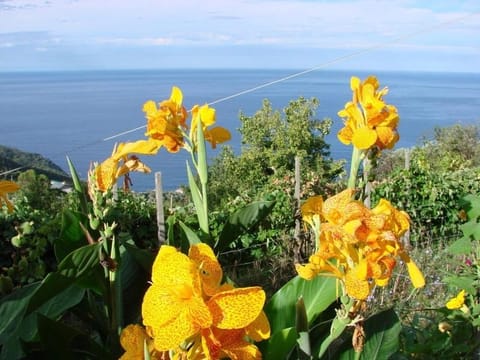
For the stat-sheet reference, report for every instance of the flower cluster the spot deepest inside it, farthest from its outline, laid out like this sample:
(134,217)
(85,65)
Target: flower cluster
(369,121)
(166,127)
(190,313)
(355,244)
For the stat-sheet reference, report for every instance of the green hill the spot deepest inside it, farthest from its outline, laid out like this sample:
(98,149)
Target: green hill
(11,158)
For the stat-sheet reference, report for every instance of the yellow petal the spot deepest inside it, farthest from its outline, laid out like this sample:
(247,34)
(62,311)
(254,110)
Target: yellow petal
(150,108)
(207,115)
(187,322)
(132,339)
(236,308)
(259,329)
(7,186)
(364,138)
(356,288)
(457,302)
(416,275)
(146,147)
(209,268)
(307,271)
(105,174)
(176,95)
(217,135)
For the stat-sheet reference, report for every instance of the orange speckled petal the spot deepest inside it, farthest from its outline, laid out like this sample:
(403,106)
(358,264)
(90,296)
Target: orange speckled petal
(132,339)
(209,268)
(173,267)
(236,308)
(105,174)
(356,288)
(172,334)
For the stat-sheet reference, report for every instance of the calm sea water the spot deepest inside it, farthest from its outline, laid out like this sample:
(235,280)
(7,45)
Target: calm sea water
(71,113)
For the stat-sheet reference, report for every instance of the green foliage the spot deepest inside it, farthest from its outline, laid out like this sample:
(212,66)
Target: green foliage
(432,199)
(11,158)
(271,141)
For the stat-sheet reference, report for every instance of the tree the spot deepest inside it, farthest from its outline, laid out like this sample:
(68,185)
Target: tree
(270,142)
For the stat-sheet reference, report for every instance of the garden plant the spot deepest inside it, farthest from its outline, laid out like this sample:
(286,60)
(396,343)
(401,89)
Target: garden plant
(111,294)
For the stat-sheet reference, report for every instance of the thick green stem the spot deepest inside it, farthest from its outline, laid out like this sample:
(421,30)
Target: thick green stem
(357,156)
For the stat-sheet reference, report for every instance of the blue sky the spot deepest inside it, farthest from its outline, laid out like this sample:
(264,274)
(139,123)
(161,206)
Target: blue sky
(435,35)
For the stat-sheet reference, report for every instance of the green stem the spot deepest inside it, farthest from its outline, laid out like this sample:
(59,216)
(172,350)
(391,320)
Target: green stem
(115,290)
(357,156)
(357,355)
(339,324)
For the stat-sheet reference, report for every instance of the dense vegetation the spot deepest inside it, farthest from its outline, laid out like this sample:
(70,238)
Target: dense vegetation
(430,182)
(11,158)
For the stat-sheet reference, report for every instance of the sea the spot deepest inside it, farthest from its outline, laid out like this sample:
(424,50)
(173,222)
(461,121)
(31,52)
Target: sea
(82,114)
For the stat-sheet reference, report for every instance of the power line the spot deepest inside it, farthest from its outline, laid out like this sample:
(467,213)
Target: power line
(323,65)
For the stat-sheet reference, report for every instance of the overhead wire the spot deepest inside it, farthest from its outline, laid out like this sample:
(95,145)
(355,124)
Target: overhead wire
(394,40)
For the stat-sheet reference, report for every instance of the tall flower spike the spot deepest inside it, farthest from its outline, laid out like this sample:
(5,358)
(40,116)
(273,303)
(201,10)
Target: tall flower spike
(205,116)
(369,121)
(166,122)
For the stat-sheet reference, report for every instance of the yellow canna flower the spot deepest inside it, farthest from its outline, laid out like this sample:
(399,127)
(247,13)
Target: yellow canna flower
(359,246)
(457,302)
(205,116)
(120,163)
(173,307)
(369,121)
(7,187)
(187,305)
(166,122)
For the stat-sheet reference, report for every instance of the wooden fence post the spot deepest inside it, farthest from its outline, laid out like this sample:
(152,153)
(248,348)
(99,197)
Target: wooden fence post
(160,213)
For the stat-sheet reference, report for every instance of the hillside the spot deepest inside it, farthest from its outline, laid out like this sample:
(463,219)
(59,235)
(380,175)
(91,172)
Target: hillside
(11,158)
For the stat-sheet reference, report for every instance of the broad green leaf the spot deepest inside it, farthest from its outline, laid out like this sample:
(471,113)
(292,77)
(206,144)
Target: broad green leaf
(471,204)
(192,237)
(197,200)
(12,310)
(72,268)
(243,220)
(60,340)
(461,246)
(71,234)
(77,185)
(382,332)
(17,326)
(279,345)
(143,257)
(318,294)
(461,282)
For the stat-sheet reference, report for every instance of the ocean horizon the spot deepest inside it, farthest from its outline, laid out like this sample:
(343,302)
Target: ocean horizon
(80,113)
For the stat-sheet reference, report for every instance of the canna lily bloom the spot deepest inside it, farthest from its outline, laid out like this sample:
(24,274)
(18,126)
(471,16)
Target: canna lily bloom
(132,340)
(7,187)
(188,310)
(122,161)
(369,121)
(360,246)
(167,122)
(205,116)
(457,302)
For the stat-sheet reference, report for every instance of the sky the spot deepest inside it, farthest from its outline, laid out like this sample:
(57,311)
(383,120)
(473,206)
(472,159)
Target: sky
(409,35)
